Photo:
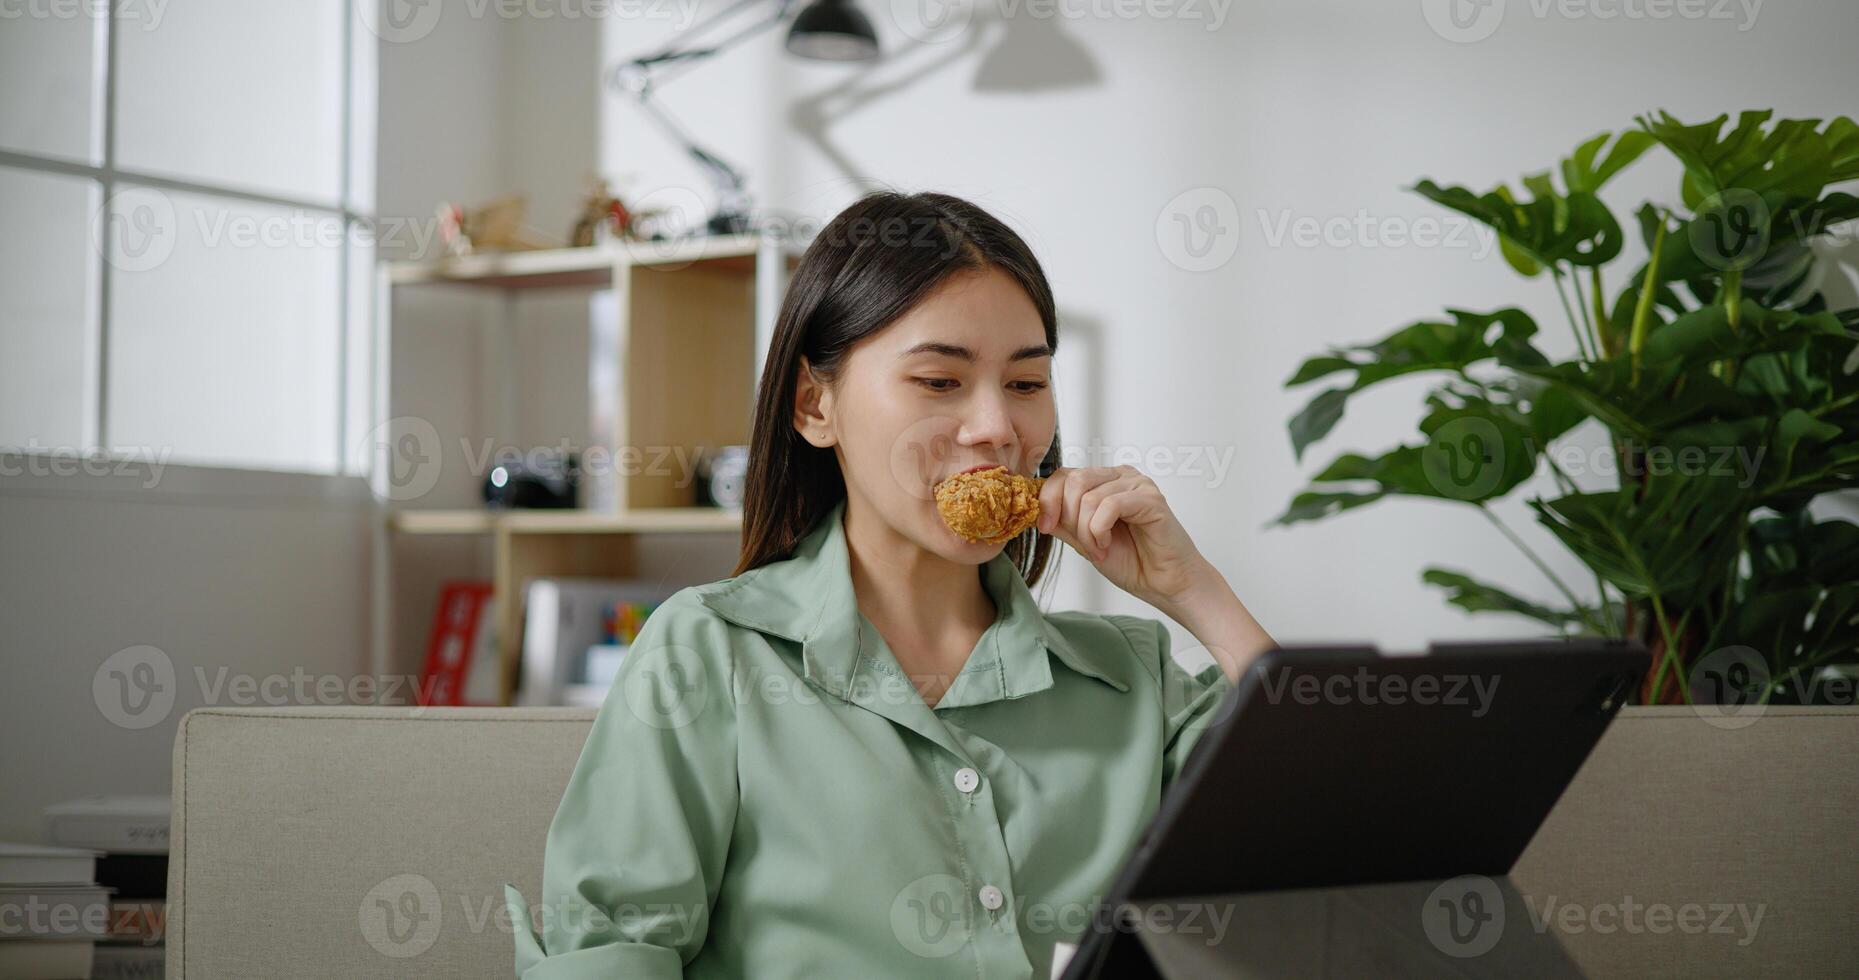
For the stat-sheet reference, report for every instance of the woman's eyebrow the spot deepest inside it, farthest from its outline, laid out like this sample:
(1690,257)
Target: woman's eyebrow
(957,350)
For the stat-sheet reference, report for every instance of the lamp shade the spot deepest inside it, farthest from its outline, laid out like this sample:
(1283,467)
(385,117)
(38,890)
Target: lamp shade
(833,30)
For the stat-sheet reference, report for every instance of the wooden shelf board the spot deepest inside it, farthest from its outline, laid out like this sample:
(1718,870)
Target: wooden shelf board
(655,520)
(588,266)
(441,522)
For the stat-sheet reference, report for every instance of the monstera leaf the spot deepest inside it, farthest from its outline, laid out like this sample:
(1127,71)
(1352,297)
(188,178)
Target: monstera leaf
(1679,356)
(1476,450)
(1793,159)
(1474,596)
(1542,232)
(1799,604)
(1793,549)
(1581,172)
(1672,537)
(1706,335)
(1426,346)
(1569,225)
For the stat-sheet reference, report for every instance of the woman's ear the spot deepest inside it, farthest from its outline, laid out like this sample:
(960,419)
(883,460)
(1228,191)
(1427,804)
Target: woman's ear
(813,407)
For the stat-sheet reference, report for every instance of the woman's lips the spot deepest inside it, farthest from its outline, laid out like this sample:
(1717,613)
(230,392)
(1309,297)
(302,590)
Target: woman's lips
(979,466)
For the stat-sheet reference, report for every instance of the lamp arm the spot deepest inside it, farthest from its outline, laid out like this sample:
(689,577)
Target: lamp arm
(721,173)
(641,75)
(681,55)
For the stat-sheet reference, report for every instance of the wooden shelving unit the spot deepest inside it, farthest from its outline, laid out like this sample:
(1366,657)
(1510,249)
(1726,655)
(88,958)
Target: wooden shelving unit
(695,319)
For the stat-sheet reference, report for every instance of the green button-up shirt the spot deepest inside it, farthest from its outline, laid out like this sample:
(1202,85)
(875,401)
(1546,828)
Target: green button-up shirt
(765,793)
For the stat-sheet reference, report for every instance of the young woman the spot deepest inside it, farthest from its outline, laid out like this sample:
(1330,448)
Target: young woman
(868,753)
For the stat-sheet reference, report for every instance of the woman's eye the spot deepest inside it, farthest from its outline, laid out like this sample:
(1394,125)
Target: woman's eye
(950,384)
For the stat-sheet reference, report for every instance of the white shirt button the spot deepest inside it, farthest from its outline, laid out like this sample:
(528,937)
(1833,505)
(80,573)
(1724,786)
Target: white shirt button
(991,897)
(967,779)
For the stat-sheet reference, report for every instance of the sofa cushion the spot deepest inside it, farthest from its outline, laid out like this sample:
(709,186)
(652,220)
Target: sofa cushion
(359,842)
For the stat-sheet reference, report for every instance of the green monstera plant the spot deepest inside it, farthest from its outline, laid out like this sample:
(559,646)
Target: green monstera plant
(1727,389)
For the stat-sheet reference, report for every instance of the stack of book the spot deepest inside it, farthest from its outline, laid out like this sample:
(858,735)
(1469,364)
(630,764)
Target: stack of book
(130,836)
(52,912)
(575,633)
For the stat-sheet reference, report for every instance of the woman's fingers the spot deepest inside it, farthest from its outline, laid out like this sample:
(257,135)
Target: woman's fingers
(1066,501)
(1053,497)
(1052,507)
(1130,503)
(1052,500)
(1092,525)
(1080,483)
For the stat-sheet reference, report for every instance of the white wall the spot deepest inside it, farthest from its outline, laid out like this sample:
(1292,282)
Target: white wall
(1300,108)
(224,573)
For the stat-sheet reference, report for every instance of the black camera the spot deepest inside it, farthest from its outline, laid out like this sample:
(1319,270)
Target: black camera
(538,479)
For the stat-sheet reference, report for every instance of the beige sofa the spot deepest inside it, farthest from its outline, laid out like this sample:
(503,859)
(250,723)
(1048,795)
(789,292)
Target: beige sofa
(374,842)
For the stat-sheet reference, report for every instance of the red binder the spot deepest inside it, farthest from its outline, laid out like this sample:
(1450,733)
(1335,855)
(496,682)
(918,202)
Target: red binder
(460,647)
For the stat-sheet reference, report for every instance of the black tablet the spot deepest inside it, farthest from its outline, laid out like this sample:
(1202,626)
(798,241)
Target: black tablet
(1337,766)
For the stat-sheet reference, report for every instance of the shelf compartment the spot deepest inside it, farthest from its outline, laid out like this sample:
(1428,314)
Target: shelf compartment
(689,365)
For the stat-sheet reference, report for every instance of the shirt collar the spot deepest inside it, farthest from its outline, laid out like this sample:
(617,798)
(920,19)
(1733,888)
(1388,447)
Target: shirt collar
(808,598)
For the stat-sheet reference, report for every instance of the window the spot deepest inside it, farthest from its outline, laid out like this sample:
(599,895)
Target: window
(186,274)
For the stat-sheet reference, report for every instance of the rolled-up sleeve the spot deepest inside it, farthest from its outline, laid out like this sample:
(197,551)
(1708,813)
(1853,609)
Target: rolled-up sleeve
(1191,699)
(635,854)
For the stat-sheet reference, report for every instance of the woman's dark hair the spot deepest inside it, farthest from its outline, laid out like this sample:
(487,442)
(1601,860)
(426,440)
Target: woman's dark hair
(872,264)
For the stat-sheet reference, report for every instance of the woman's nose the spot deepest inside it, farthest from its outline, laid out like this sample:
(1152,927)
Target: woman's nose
(987,421)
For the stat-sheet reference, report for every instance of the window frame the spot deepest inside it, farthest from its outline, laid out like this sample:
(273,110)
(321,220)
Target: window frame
(107,180)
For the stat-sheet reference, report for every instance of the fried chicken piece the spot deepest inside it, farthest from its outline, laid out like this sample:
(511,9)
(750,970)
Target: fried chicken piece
(989,506)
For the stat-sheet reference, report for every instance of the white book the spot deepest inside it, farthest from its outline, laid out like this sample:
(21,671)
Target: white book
(116,824)
(54,912)
(34,960)
(600,478)
(43,864)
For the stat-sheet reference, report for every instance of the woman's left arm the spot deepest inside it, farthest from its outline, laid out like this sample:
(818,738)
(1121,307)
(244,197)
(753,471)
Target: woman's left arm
(1117,518)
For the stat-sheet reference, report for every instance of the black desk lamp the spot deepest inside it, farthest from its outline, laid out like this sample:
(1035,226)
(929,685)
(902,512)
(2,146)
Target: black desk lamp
(826,30)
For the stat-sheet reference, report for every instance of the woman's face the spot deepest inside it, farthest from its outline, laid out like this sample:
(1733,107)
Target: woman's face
(961,381)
